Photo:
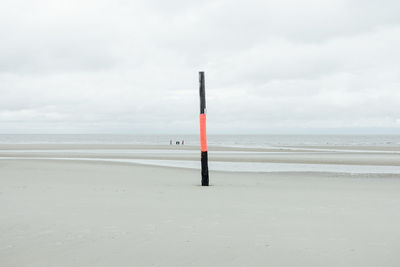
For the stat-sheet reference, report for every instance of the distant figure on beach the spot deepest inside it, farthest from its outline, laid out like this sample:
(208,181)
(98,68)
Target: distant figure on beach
(177,142)
(170,141)
(183,142)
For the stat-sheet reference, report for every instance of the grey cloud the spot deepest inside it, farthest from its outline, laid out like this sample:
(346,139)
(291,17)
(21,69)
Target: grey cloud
(131,66)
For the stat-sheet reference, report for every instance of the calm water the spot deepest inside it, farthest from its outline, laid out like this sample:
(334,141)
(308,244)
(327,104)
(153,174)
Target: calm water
(220,140)
(243,166)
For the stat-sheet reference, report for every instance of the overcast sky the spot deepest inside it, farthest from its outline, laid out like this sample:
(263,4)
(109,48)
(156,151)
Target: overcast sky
(280,66)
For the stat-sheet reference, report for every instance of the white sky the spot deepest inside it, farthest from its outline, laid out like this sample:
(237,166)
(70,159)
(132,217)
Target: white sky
(275,66)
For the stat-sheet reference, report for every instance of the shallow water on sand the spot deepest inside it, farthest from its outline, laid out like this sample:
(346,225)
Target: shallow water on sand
(294,153)
(244,166)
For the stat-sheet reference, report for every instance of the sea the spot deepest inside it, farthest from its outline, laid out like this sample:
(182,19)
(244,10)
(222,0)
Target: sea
(253,141)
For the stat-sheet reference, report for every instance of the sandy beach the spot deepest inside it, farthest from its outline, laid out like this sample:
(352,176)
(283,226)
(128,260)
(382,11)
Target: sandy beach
(199,133)
(58,212)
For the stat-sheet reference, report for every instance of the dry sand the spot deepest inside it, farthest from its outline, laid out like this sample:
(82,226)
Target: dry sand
(76,213)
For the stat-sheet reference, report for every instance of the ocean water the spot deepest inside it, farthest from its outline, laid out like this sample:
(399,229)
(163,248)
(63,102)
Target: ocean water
(263,141)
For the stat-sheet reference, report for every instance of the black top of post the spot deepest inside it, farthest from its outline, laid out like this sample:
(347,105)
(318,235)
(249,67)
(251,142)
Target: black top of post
(202,93)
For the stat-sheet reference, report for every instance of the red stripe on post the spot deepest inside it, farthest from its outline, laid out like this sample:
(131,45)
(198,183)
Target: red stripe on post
(203,136)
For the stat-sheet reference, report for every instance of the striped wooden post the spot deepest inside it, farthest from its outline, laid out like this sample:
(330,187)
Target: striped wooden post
(203,135)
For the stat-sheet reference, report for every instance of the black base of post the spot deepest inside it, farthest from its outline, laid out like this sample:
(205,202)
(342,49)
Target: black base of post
(204,168)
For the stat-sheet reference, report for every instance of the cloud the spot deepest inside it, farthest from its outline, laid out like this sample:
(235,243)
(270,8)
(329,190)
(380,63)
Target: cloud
(131,66)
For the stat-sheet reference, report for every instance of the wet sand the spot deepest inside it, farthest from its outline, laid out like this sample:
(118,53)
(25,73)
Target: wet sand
(384,156)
